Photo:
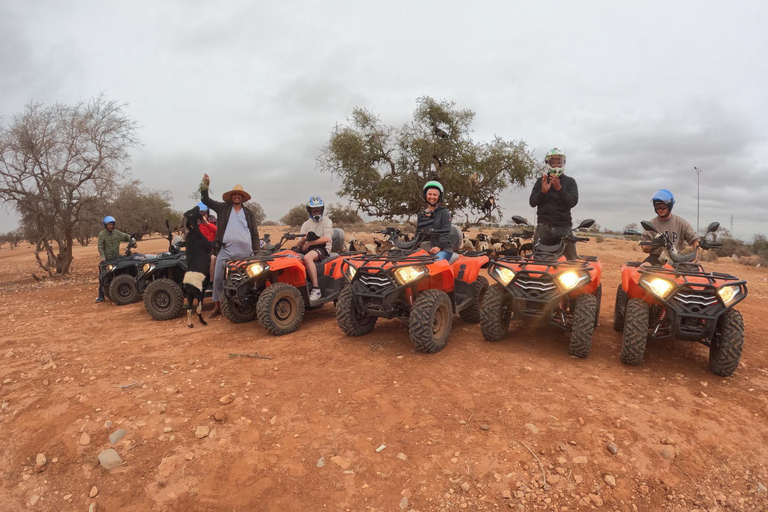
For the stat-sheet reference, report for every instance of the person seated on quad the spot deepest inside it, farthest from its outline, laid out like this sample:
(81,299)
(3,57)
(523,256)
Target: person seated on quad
(677,229)
(109,246)
(436,218)
(316,242)
(554,195)
(208,228)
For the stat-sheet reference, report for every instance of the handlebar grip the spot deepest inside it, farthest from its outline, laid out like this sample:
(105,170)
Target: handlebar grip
(582,239)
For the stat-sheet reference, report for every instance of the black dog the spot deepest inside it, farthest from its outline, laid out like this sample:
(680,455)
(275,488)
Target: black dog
(198,264)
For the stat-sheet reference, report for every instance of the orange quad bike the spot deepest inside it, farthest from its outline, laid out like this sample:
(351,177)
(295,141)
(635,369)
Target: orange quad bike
(274,288)
(546,288)
(408,283)
(680,300)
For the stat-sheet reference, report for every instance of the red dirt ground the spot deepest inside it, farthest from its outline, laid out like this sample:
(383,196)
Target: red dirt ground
(473,427)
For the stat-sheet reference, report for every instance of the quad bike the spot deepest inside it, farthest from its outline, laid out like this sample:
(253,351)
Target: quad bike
(118,276)
(274,287)
(410,284)
(160,280)
(546,287)
(680,299)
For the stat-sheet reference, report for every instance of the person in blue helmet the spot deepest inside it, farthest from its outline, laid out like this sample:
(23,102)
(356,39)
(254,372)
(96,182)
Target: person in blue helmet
(676,228)
(109,245)
(316,242)
(437,219)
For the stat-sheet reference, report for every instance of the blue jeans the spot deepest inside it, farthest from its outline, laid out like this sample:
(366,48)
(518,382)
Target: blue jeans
(443,255)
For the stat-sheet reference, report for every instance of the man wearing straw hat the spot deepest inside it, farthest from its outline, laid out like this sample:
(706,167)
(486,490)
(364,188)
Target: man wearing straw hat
(237,235)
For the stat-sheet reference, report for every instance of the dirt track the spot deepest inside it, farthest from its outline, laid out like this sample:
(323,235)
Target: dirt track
(473,427)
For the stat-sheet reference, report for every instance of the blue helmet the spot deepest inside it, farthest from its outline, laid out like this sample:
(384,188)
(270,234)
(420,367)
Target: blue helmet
(109,219)
(202,207)
(664,196)
(315,202)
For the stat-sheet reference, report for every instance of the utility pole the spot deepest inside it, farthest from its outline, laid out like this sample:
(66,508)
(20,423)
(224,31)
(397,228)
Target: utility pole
(698,172)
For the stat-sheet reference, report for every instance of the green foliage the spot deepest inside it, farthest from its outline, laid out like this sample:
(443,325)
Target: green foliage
(343,215)
(257,210)
(382,169)
(140,211)
(295,216)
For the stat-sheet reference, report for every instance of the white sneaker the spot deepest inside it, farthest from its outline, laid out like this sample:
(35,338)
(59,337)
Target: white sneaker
(314,294)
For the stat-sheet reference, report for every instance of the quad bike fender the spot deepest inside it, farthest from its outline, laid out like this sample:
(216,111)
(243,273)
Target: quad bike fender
(467,268)
(440,277)
(595,276)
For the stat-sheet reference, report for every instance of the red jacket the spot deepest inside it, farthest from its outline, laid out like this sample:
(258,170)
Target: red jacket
(209,231)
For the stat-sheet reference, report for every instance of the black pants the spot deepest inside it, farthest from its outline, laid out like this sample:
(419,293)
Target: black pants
(552,235)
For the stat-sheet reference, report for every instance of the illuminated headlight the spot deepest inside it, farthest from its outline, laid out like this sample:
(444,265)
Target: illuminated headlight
(351,271)
(255,269)
(405,275)
(147,267)
(569,280)
(728,293)
(505,275)
(108,268)
(660,287)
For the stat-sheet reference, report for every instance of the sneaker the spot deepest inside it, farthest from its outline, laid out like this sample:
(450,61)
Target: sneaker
(99,299)
(314,294)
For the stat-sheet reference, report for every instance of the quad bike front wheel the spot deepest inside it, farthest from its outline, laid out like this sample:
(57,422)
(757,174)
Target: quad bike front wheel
(599,296)
(430,321)
(350,321)
(635,332)
(122,290)
(619,309)
(472,314)
(280,308)
(163,299)
(237,314)
(727,344)
(584,313)
(496,313)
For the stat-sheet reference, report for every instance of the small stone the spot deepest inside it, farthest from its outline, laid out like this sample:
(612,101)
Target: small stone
(110,459)
(404,503)
(485,426)
(613,448)
(533,428)
(761,488)
(202,431)
(67,497)
(402,456)
(581,459)
(668,441)
(108,424)
(321,462)
(668,452)
(85,439)
(189,456)
(578,478)
(40,460)
(553,479)
(220,416)
(465,487)
(7,381)
(381,448)
(55,460)
(340,461)
(4,406)
(94,492)
(597,500)
(34,499)
(506,494)
(116,435)
(610,480)
(168,429)
(92,507)
(226,399)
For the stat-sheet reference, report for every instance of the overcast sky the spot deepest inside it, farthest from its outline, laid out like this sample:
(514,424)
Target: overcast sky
(635,93)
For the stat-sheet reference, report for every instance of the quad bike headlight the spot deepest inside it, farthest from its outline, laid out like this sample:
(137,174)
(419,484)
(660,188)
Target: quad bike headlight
(255,269)
(351,271)
(569,280)
(504,275)
(108,268)
(660,287)
(405,275)
(147,267)
(728,293)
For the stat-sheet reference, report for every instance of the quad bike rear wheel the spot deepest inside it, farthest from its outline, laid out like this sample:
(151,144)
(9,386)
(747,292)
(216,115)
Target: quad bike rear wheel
(352,323)
(727,344)
(635,332)
(122,290)
(472,313)
(496,313)
(237,314)
(619,309)
(280,308)
(430,321)
(584,313)
(163,299)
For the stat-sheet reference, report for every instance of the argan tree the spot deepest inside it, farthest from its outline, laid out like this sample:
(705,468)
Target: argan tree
(382,168)
(54,161)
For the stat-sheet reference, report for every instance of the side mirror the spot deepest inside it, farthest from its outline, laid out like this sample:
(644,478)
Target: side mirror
(648,226)
(713,227)
(586,223)
(519,220)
